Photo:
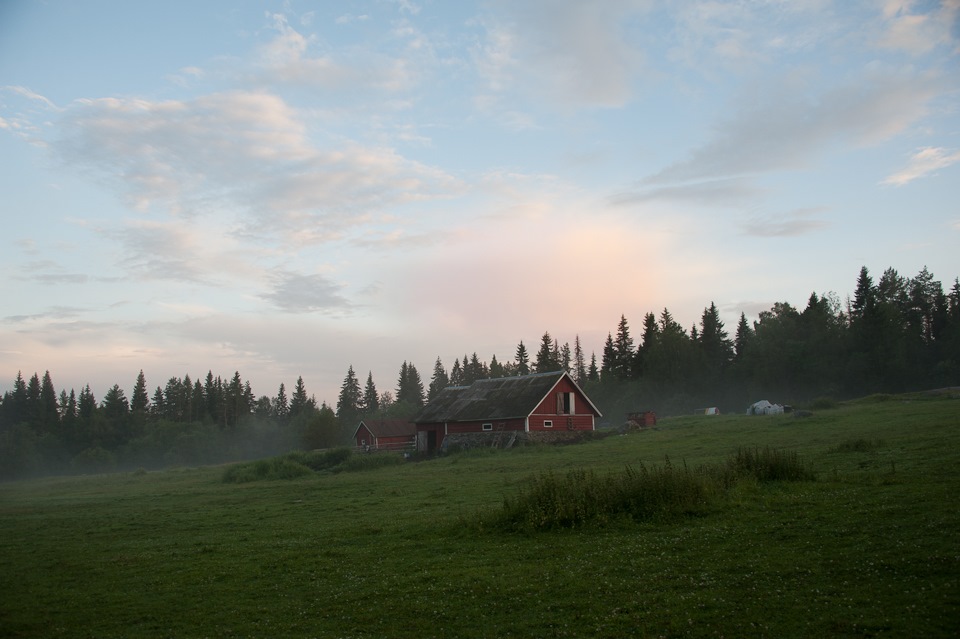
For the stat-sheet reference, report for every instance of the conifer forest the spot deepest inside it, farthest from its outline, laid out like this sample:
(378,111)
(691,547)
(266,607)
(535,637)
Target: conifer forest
(892,334)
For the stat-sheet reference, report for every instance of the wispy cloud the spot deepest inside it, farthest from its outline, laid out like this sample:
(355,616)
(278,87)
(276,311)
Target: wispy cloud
(924,162)
(579,56)
(250,153)
(723,192)
(919,30)
(790,224)
(788,132)
(305,293)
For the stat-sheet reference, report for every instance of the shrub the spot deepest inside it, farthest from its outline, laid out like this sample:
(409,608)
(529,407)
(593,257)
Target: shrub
(581,497)
(769,465)
(368,462)
(859,445)
(321,459)
(265,469)
(656,493)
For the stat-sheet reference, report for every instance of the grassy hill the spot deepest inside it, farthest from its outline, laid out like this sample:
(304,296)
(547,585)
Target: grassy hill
(871,547)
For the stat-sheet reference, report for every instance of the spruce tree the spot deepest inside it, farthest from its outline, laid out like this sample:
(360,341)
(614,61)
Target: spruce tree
(456,374)
(371,400)
(579,363)
(545,360)
(348,403)
(609,361)
(438,381)
(522,359)
(623,354)
(140,401)
(299,401)
(593,374)
(281,407)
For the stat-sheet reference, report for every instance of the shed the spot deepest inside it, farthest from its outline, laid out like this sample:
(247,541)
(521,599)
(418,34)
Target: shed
(378,433)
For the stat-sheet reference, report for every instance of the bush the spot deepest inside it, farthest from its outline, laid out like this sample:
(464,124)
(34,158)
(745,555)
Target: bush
(265,470)
(580,497)
(769,465)
(657,493)
(859,445)
(368,462)
(321,459)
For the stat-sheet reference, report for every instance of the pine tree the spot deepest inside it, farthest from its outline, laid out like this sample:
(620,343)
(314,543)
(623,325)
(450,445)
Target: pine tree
(608,362)
(496,368)
(49,415)
(410,386)
(593,374)
(371,400)
(438,381)
(299,403)
(456,374)
(281,408)
(714,344)
(522,359)
(579,363)
(623,354)
(140,402)
(545,360)
(743,337)
(348,404)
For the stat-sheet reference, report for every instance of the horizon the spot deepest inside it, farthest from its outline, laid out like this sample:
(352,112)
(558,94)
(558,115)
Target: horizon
(285,190)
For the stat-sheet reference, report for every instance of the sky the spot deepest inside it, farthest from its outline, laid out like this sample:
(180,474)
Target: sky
(287,189)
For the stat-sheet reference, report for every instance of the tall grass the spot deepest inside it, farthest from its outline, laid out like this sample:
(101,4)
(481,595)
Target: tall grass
(640,493)
(300,463)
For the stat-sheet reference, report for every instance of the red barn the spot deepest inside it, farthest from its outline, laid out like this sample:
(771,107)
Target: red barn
(544,402)
(385,434)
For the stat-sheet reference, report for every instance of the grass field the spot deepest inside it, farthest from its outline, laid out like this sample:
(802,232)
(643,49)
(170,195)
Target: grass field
(871,547)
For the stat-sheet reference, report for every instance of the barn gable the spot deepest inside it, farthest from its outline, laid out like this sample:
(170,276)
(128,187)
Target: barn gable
(494,399)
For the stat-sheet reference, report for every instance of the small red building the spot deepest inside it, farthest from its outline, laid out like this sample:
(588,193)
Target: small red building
(546,402)
(377,433)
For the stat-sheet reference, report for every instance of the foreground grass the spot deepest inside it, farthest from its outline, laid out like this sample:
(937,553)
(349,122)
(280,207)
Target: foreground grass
(869,549)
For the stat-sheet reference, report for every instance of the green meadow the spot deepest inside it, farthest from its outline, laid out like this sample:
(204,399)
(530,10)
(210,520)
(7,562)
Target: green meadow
(866,543)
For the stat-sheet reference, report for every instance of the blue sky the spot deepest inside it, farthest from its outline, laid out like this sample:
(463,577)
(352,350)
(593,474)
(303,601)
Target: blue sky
(290,188)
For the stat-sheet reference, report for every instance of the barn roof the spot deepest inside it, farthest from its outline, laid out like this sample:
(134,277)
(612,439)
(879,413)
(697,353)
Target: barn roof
(379,427)
(500,398)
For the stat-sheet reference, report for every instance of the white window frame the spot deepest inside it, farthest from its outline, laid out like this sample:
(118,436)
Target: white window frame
(487,426)
(548,423)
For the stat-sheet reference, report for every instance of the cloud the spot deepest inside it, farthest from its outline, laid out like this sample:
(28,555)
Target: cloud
(579,56)
(249,153)
(791,130)
(925,161)
(53,313)
(918,32)
(286,60)
(790,224)
(299,293)
(723,192)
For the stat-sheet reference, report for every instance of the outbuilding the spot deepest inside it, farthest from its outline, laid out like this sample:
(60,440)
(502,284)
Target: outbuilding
(378,433)
(538,403)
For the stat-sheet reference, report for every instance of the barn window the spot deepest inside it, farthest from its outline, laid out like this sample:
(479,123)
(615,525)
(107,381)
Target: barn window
(488,426)
(565,404)
(548,423)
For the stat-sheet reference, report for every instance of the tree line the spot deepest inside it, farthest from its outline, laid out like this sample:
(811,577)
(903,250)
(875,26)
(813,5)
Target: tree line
(895,334)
